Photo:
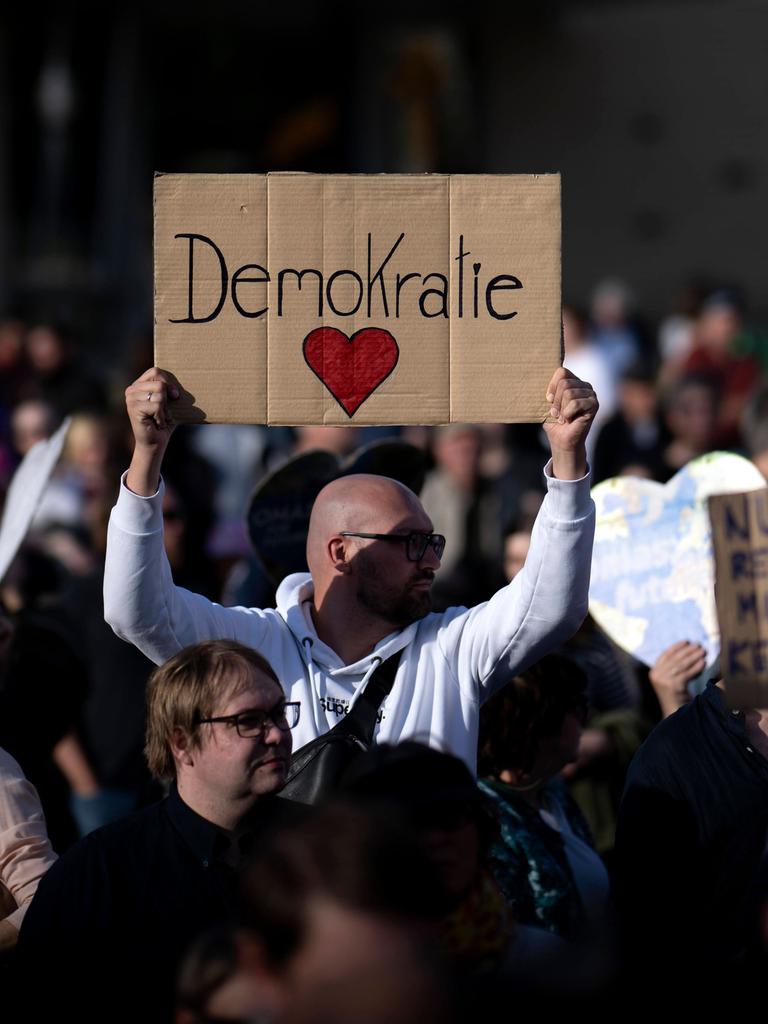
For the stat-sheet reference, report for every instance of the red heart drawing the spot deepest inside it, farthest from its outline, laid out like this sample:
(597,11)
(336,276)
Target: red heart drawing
(351,368)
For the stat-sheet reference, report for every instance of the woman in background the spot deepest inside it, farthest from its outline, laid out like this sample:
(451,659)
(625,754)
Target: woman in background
(545,863)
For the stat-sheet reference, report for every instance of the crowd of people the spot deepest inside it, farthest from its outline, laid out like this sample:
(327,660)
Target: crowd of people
(540,816)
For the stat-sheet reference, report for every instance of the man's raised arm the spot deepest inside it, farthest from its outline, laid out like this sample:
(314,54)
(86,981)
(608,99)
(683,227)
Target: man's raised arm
(546,602)
(141,602)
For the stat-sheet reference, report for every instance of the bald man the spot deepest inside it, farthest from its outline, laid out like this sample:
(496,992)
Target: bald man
(372,557)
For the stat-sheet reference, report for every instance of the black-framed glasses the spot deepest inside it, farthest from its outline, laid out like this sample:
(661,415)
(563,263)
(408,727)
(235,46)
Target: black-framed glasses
(250,724)
(416,542)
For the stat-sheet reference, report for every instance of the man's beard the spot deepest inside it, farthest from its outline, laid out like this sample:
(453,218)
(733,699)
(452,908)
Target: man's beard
(396,606)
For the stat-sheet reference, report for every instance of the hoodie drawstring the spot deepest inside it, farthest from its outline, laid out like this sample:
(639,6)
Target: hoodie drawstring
(307,645)
(307,642)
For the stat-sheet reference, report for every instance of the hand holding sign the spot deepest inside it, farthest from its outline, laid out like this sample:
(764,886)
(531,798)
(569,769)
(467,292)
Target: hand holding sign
(147,401)
(573,406)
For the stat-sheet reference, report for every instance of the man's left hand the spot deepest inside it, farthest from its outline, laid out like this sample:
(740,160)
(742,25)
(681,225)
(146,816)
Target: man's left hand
(573,406)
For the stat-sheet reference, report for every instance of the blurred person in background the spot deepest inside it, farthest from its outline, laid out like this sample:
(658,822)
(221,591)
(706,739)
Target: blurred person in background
(754,428)
(58,374)
(338,922)
(690,841)
(339,440)
(438,801)
(617,723)
(111,724)
(517,535)
(220,979)
(633,440)
(467,512)
(677,328)
(611,325)
(42,688)
(715,355)
(31,421)
(691,413)
(76,491)
(13,372)
(545,862)
(236,454)
(25,850)
(585,357)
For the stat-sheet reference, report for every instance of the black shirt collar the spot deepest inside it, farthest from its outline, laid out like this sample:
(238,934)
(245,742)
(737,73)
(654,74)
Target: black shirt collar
(206,840)
(209,843)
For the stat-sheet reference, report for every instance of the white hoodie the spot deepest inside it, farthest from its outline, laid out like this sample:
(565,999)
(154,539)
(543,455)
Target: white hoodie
(452,661)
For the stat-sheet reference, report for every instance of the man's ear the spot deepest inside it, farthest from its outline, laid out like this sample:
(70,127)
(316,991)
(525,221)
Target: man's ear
(181,746)
(338,554)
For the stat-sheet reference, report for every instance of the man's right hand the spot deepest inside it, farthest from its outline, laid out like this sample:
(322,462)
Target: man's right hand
(148,401)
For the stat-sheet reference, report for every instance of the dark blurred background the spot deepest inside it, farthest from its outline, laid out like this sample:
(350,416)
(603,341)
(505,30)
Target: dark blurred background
(653,112)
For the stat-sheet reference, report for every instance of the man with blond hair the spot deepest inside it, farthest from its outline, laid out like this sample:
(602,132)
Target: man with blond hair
(121,907)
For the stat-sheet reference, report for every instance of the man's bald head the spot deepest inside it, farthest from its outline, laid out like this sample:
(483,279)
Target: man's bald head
(362,502)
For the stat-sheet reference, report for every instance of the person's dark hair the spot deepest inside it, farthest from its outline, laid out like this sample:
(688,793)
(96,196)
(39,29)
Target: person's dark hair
(421,787)
(672,394)
(531,706)
(643,370)
(359,859)
(209,962)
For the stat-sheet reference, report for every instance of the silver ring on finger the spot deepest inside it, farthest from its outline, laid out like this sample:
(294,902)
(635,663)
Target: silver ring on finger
(149,396)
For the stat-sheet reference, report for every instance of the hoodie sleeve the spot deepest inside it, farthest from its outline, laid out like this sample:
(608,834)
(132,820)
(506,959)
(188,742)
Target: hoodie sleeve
(141,602)
(541,608)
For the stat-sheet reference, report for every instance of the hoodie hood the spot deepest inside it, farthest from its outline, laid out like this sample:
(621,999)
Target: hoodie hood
(294,596)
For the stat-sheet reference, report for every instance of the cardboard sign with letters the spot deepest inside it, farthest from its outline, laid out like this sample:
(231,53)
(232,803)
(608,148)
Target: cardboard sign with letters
(740,532)
(371,299)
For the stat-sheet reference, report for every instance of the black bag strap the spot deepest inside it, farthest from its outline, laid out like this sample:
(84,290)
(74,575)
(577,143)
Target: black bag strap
(362,717)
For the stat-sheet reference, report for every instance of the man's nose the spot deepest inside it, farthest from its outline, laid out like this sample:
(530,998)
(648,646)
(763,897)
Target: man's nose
(430,558)
(272,734)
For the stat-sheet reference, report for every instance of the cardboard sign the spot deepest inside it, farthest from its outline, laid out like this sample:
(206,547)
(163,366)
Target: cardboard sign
(652,580)
(740,532)
(373,299)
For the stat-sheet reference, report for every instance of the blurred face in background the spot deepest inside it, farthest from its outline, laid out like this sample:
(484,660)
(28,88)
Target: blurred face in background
(457,453)
(638,400)
(574,330)
(692,416)
(516,547)
(174,528)
(11,343)
(610,304)
(30,422)
(87,444)
(555,752)
(45,349)
(339,440)
(717,328)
